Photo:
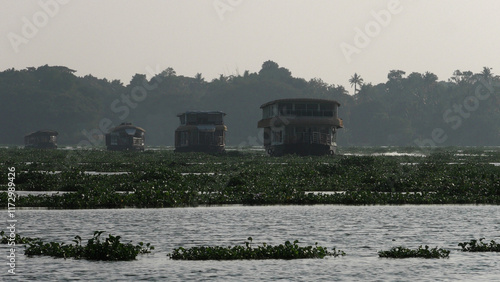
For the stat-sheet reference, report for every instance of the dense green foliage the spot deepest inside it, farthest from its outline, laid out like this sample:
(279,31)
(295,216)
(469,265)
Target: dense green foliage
(283,251)
(112,249)
(18,239)
(475,246)
(96,249)
(402,252)
(162,178)
(403,111)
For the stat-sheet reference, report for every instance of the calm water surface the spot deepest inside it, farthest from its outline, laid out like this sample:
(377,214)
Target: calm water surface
(359,231)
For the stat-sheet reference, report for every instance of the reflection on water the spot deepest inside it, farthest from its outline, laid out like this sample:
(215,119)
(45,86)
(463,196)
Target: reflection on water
(359,231)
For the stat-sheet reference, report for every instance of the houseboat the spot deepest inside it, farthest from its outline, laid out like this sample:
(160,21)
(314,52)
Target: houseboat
(125,137)
(301,126)
(42,139)
(201,131)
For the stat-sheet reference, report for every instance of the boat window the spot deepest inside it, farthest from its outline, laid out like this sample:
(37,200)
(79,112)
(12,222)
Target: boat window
(312,106)
(267,112)
(277,136)
(191,118)
(130,131)
(285,108)
(312,110)
(300,107)
(327,110)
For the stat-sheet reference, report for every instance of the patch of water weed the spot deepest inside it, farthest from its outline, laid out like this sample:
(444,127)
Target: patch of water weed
(166,179)
(287,251)
(17,239)
(110,249)
(420,252)
(479,246)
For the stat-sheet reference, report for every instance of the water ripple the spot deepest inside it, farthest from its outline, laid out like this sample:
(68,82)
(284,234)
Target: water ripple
(359,231)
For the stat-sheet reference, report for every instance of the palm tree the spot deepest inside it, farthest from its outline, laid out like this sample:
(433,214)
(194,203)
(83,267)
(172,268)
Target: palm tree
(199,78)
(355,81)
(487,74)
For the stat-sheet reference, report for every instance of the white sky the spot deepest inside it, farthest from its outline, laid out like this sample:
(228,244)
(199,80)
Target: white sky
(115,39)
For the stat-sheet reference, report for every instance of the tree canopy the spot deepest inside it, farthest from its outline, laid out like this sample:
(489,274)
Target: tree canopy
(405,110)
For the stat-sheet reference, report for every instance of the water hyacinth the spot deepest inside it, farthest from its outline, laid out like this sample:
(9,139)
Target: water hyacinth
(161,179)
(426,252)
(287,250)
(18,239)
(96,249)
(479,246)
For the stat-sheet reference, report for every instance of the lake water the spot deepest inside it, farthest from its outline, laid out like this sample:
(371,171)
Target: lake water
(359,231)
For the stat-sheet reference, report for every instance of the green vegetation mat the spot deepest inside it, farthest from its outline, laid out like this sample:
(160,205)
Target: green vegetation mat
(16,239)
(283,251)
(161,178)
(96,249)
(480,246)
(402,252)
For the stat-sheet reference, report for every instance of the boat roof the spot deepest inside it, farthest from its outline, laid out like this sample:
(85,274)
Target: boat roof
(300,100)
(44,132)
(201,112)
(126,125)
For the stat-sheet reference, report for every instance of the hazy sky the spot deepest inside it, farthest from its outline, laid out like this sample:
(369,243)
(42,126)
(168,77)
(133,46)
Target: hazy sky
(327,39)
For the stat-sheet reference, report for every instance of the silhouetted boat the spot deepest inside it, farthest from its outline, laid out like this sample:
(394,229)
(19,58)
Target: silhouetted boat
(300,126)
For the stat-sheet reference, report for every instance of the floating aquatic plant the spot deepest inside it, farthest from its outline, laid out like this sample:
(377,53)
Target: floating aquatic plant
(421,252)
(18,239)
(479,246)
(287,250)
(96,249)
(161,178)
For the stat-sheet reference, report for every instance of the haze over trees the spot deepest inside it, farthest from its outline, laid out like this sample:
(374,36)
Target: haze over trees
(406,110)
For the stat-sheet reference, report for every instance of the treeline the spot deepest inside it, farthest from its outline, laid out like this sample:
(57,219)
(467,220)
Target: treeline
(404,111)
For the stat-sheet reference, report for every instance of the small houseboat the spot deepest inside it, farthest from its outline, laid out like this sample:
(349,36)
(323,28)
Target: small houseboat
(125,137)
(201,131)
(300,126)
(42,139)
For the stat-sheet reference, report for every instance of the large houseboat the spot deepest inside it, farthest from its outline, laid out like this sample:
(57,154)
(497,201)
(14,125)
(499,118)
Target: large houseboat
(42,139)
(301,126)
(201,131)
(126,137)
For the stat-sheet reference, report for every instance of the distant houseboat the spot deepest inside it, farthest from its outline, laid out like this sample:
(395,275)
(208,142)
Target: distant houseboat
(42,139)
(125,137)
(300,126)
(201,132)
